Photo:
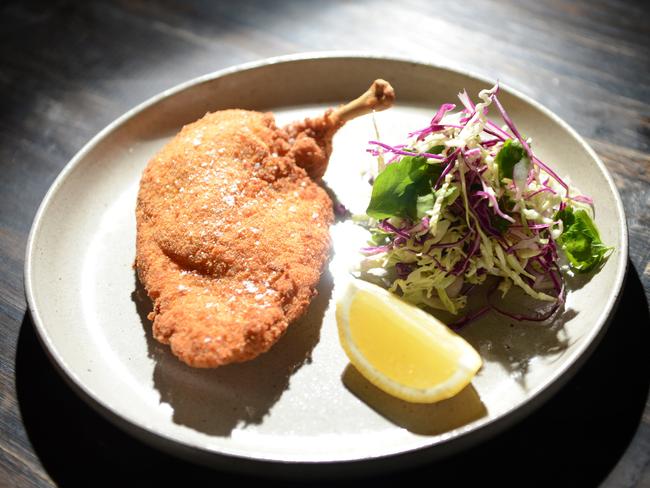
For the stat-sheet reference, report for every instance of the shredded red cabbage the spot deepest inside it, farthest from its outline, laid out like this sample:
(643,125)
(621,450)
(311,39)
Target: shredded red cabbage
(401,152)
(516,224)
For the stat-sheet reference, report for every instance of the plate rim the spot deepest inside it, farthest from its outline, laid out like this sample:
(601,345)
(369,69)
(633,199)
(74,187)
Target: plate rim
(194,452)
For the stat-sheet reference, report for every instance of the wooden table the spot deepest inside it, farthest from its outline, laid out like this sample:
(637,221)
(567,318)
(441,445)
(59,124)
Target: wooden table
(68,68)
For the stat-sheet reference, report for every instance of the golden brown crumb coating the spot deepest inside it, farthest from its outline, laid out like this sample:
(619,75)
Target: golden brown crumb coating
(232,236)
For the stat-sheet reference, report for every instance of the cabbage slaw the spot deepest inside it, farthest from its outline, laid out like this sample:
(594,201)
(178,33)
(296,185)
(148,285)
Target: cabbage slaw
(464,199)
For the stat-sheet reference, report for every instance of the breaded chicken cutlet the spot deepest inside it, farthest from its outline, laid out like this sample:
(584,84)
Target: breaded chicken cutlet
(233,229)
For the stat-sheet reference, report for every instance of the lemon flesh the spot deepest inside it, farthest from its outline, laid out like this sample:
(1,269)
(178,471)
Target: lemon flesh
(401,349)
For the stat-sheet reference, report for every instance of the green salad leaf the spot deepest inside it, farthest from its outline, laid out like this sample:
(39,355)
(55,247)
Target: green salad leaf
(436,149)
(510,154)
(580,240)
(396,189)
(424,204)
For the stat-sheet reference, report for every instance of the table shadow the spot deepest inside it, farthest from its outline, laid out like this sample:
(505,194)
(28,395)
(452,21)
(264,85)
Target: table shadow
(577,437)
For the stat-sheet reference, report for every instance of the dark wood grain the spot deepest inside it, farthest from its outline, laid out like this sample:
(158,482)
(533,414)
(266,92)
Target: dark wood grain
(68,68)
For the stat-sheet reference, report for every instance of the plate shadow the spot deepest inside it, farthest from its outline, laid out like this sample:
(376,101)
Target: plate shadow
(511,343)
(215,401)
(423,419)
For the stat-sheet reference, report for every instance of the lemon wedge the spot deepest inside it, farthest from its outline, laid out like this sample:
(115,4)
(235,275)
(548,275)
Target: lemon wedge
(400,348)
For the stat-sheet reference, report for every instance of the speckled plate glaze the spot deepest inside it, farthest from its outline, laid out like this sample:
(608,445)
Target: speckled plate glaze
(299,409)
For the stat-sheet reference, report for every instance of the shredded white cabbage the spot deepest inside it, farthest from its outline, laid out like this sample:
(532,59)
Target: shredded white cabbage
(486,217)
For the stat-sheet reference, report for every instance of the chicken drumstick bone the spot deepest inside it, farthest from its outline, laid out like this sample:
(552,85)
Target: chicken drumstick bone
(311,139)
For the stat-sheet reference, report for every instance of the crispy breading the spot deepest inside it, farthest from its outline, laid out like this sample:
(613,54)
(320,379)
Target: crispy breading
(232,238)
(233,232)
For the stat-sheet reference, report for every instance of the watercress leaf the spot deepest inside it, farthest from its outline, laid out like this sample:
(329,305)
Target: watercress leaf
(580,240)
(397,188)
(566,216)
(433,173)
(424,204)
(510,154)
(436,149)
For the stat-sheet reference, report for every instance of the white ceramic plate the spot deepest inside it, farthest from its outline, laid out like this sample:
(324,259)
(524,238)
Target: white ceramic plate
(299,404)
